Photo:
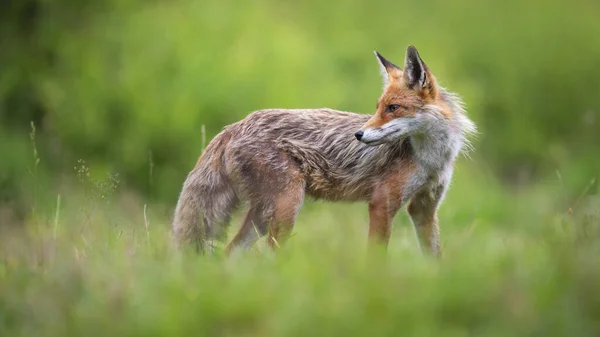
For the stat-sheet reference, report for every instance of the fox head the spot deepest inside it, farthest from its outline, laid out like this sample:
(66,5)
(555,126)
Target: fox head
(409,96)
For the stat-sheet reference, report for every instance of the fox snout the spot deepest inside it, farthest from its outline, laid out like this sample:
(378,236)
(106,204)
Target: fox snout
(370,136)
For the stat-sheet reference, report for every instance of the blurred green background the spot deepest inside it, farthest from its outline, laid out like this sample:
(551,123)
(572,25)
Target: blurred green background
(127,85)
(120,91)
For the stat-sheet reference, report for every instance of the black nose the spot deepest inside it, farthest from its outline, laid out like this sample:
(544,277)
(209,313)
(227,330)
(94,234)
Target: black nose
(358,134)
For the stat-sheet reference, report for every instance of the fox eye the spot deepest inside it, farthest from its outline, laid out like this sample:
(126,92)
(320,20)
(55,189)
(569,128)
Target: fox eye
(392,108)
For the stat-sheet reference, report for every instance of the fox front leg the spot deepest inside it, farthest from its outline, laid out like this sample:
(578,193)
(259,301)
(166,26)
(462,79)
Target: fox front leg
(423,214)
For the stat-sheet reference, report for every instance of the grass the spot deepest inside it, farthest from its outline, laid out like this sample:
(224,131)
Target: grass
(101,263)
(93,258)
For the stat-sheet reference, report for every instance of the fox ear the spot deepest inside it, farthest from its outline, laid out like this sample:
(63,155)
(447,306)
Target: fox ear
(387,68)
(415,70)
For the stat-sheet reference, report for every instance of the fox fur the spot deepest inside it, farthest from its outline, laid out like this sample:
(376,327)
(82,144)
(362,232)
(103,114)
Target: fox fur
(274,158)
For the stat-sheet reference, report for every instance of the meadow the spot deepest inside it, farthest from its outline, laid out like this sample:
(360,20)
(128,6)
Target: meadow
(514,264)
(105,107)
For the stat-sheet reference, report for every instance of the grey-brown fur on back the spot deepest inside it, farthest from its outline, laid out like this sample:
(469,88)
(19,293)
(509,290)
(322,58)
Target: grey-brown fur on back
(321,143)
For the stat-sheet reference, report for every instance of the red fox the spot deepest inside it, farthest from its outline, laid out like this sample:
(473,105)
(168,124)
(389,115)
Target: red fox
(273,158)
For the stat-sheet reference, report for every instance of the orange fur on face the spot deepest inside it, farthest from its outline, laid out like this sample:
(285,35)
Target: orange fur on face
(409,99)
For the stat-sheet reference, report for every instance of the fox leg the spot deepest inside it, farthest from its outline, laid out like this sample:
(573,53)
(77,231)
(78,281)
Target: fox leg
(423,213)
(285,208)
(253,228)
(383,206)
(281,214)
(274,185)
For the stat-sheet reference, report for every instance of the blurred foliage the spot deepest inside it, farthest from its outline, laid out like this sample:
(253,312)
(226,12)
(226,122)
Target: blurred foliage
(127,85)
(119,91)
(509,269)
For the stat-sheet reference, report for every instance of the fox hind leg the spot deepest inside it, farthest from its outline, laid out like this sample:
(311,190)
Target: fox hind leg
(285,209)
(275,216)
(274,186)
(253,228)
